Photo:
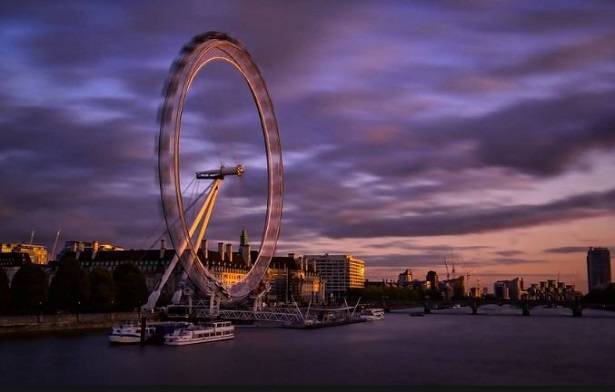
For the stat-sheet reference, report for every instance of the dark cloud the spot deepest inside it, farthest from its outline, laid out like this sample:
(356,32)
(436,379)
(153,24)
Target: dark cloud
(547,137)
(567,249)
(508,253)
(468,219)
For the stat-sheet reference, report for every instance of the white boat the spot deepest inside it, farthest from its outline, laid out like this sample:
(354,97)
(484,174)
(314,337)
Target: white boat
(129,331)
(201,333)
(372,314)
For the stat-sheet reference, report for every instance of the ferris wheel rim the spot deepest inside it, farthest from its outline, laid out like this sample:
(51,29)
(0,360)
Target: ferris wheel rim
(200,51)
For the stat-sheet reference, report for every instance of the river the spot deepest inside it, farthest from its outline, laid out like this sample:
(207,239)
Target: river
(498,346)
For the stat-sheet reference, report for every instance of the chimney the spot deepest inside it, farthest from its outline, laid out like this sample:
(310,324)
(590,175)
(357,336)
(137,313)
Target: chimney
(204,248)
(162,248)
(221,250)
(94,249)
(247,256)
(229,252)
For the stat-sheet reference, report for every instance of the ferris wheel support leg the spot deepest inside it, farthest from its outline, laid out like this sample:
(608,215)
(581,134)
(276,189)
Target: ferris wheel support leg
(201,219)
(258,301)
(205,210)
(214,303)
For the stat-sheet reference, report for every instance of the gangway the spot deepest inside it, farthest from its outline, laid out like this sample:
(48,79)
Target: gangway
(206,309)
(280,315)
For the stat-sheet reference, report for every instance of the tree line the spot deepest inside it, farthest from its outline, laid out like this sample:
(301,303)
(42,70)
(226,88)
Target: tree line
(72,289)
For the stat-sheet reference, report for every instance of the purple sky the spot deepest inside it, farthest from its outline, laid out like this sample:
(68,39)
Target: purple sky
(412,131)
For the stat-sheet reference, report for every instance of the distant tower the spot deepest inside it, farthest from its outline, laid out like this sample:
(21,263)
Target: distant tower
(598,268)
(244,247)
(243,239)
(432,278)
(405,278)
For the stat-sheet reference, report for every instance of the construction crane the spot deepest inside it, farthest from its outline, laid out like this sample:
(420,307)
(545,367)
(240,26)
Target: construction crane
(466,283)
(478,290)
(453,270)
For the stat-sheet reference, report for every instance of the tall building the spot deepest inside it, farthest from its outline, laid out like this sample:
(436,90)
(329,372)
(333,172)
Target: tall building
(432,278)
(509,289)
(598,268)
(405,278)
(340,273)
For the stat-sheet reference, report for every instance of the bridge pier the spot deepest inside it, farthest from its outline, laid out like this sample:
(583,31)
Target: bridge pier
(525,308)
(426,308)
(577,311)
(143,325)
(474,307)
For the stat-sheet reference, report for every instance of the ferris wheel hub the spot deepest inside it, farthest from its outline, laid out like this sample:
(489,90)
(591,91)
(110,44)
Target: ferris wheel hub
(219,174)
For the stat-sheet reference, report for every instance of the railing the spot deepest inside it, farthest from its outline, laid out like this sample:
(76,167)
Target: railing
(281,315)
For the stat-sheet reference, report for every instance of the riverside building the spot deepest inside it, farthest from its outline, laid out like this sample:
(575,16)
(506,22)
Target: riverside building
(340,272)
(598,268)
(37,254)
(290,278)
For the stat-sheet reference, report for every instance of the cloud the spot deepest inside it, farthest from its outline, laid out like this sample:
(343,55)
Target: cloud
(467,219)
(397,120)
(567,249)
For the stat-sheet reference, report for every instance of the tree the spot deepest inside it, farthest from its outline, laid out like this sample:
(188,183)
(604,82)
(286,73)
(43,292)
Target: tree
(5,293)
(29,289)
(131,288)
(70,287)
(102,290)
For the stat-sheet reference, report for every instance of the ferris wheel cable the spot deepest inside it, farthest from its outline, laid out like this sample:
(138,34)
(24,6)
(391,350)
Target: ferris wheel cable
(159,228)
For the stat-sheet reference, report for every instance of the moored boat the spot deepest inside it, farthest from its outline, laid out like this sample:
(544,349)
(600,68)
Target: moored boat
(201,333)
(372,314)
(129,332)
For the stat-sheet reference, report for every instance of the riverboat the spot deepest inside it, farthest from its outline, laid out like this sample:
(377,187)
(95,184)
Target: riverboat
(129,331)
(372,314)
(201,333)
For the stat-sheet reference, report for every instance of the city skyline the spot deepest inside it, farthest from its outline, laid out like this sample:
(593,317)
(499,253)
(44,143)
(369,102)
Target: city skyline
(411,132)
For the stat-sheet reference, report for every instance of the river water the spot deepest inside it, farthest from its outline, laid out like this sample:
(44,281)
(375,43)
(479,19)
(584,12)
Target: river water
(498,346)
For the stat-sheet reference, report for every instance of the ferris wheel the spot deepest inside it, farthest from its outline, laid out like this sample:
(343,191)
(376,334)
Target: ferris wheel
(187,218)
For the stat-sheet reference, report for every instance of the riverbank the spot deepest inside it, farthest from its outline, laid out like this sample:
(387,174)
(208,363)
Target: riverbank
(11,326)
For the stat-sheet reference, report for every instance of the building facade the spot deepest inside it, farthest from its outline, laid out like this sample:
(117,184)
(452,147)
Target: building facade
(290,278)
(339,272)
(405,278)
(598,268)
(37,253)
(509,289)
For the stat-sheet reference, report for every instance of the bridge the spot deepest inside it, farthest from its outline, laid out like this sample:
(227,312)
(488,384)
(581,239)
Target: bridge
(287,314)
(525,305)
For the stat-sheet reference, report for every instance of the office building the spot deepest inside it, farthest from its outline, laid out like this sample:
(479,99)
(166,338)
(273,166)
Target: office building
(598,268)
(340,273)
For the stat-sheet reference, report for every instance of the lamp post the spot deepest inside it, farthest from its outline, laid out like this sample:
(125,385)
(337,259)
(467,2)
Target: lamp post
(40,306)
(78,309)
